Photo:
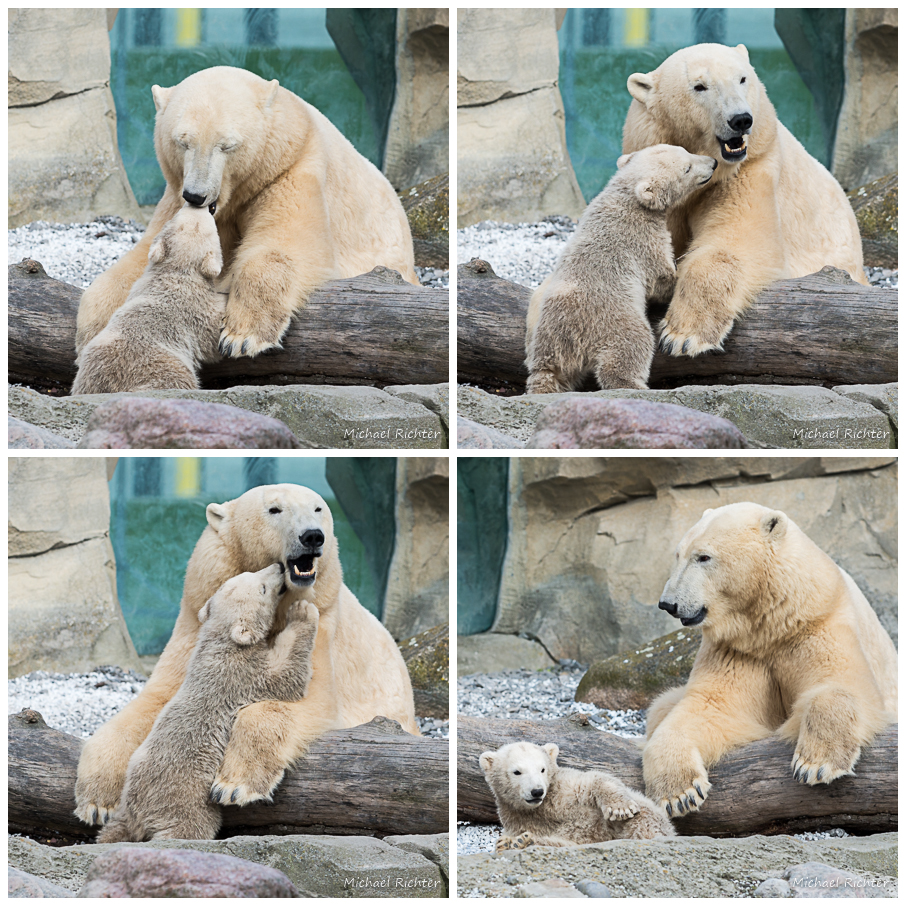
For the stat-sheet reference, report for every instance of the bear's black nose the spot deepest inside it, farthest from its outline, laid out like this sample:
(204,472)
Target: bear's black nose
(312,538)
(742,122)
(196,200)
(666,605)
(537,794)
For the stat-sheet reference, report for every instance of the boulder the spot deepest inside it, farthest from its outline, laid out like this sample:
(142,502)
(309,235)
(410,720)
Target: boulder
(882,396)
(427,207)
(22,884)
(590,424)
(473,436)
(23,436)
(813,879)
(876,207)
(427,657)
(182,424)
(633,679)
(139,872)
(549,888)
(491,652)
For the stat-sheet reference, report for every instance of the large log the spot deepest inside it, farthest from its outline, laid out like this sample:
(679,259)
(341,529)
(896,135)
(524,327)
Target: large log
(375,329)
(753,791)
(374,779)
(821,329)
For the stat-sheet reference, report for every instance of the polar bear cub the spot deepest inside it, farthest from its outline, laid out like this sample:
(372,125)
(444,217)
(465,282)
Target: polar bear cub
(170,323)
(539,802)
(589,314)
(235,663)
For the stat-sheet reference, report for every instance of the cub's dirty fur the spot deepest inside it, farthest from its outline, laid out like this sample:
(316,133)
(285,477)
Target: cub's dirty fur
(235,663)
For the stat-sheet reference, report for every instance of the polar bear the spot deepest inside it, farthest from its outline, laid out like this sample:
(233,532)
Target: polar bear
(790,648)
(170,323)
(358,671)
(589,314)
(771,212)
(296,204)
(236,662)
(540,803)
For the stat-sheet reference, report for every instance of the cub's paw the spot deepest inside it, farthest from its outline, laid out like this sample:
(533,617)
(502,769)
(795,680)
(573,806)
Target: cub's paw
(678,338)
(523,840)
(227,791)
(813,770)
(302,612)
(621,809)
(240,337)
(504,844)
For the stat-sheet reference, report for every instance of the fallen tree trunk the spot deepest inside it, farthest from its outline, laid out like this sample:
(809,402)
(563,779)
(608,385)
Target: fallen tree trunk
(753,791)
(374,329)
(821,329)
(374,779)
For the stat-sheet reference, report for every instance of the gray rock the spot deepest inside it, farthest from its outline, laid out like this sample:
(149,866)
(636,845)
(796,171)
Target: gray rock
(876,206)
(768,415)
(435,397)
(427,657)
(435,847)
(489,652)
(472,436)
(317,865)
(816,880)
(23,436)
(592,424)
(773,887)
(881,396)
(141,872)
(319,416)
(593,889)
(22,884)
(553,887)
(175,424)
(696,866)
(427,208)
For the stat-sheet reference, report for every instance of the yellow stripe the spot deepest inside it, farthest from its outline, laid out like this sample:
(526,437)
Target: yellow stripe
(187,477)
(188,27)
(636,27)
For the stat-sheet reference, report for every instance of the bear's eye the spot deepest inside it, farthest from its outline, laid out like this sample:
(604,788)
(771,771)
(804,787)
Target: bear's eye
(275,509)
(317,509)
(700,88)
(542,770)
(742,81)
(689,168)
(517,773)
(703,558)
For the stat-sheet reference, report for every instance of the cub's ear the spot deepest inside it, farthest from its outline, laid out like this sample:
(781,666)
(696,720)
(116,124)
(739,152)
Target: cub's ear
(211,264)
(486,761)
(270,94)
(552,750)
(622,161)
(641,86)
(706,512)
(742,49)
(216,513)
(243,635)
(205,611)
(651,195)
(158,250)
(161,96)
(774,525)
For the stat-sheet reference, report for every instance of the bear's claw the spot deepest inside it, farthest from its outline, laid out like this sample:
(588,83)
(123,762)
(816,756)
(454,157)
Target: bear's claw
(810,773)
(92,814)
(223,793)
(690,800)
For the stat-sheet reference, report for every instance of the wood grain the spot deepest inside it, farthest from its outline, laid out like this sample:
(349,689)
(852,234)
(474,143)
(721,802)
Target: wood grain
(753,791)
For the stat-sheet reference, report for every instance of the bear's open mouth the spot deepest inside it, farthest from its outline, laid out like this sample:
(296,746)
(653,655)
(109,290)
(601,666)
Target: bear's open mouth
(733,149)
(694,621)
(301,570)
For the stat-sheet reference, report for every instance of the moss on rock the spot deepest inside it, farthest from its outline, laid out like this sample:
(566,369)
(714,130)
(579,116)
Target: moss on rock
(427,656)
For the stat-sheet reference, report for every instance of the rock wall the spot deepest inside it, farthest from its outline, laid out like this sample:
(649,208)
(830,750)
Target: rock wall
(513,163)
(591,539)
(64,163)
(866,143)
(64,614)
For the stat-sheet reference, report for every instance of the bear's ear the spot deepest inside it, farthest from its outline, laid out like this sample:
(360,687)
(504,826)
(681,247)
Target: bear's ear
(158,250)
(270,95)
(622,161)
(486,761)
(651,196)
(242,635)
(743,50)
(161,96)
(773,526)
(553,750)
(205,611)
(211,264)
(641,86)
(216,513)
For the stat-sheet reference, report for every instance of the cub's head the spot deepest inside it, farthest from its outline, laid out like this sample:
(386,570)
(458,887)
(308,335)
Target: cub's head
(725,568)
(212,132)
(286,523)
(708,99)
(188,242)
(664,175)
(243,608)
(520,773)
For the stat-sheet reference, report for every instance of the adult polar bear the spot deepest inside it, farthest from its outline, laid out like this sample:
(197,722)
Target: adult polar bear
(358,672)
(296,204)
(770,212)
(790,647)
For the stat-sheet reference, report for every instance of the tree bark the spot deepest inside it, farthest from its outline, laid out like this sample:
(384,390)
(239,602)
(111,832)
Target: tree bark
(753,791)
(374,779)
(374,329)
(822,329)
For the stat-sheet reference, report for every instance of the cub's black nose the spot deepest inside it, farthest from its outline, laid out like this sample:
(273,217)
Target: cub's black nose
(537,794)
(670,608)
(312,538)
(194,200)
(742,122)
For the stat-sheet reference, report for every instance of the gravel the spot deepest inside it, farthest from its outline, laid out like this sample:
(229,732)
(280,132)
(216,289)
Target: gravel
(76,253)
(526,253)
(80,703)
